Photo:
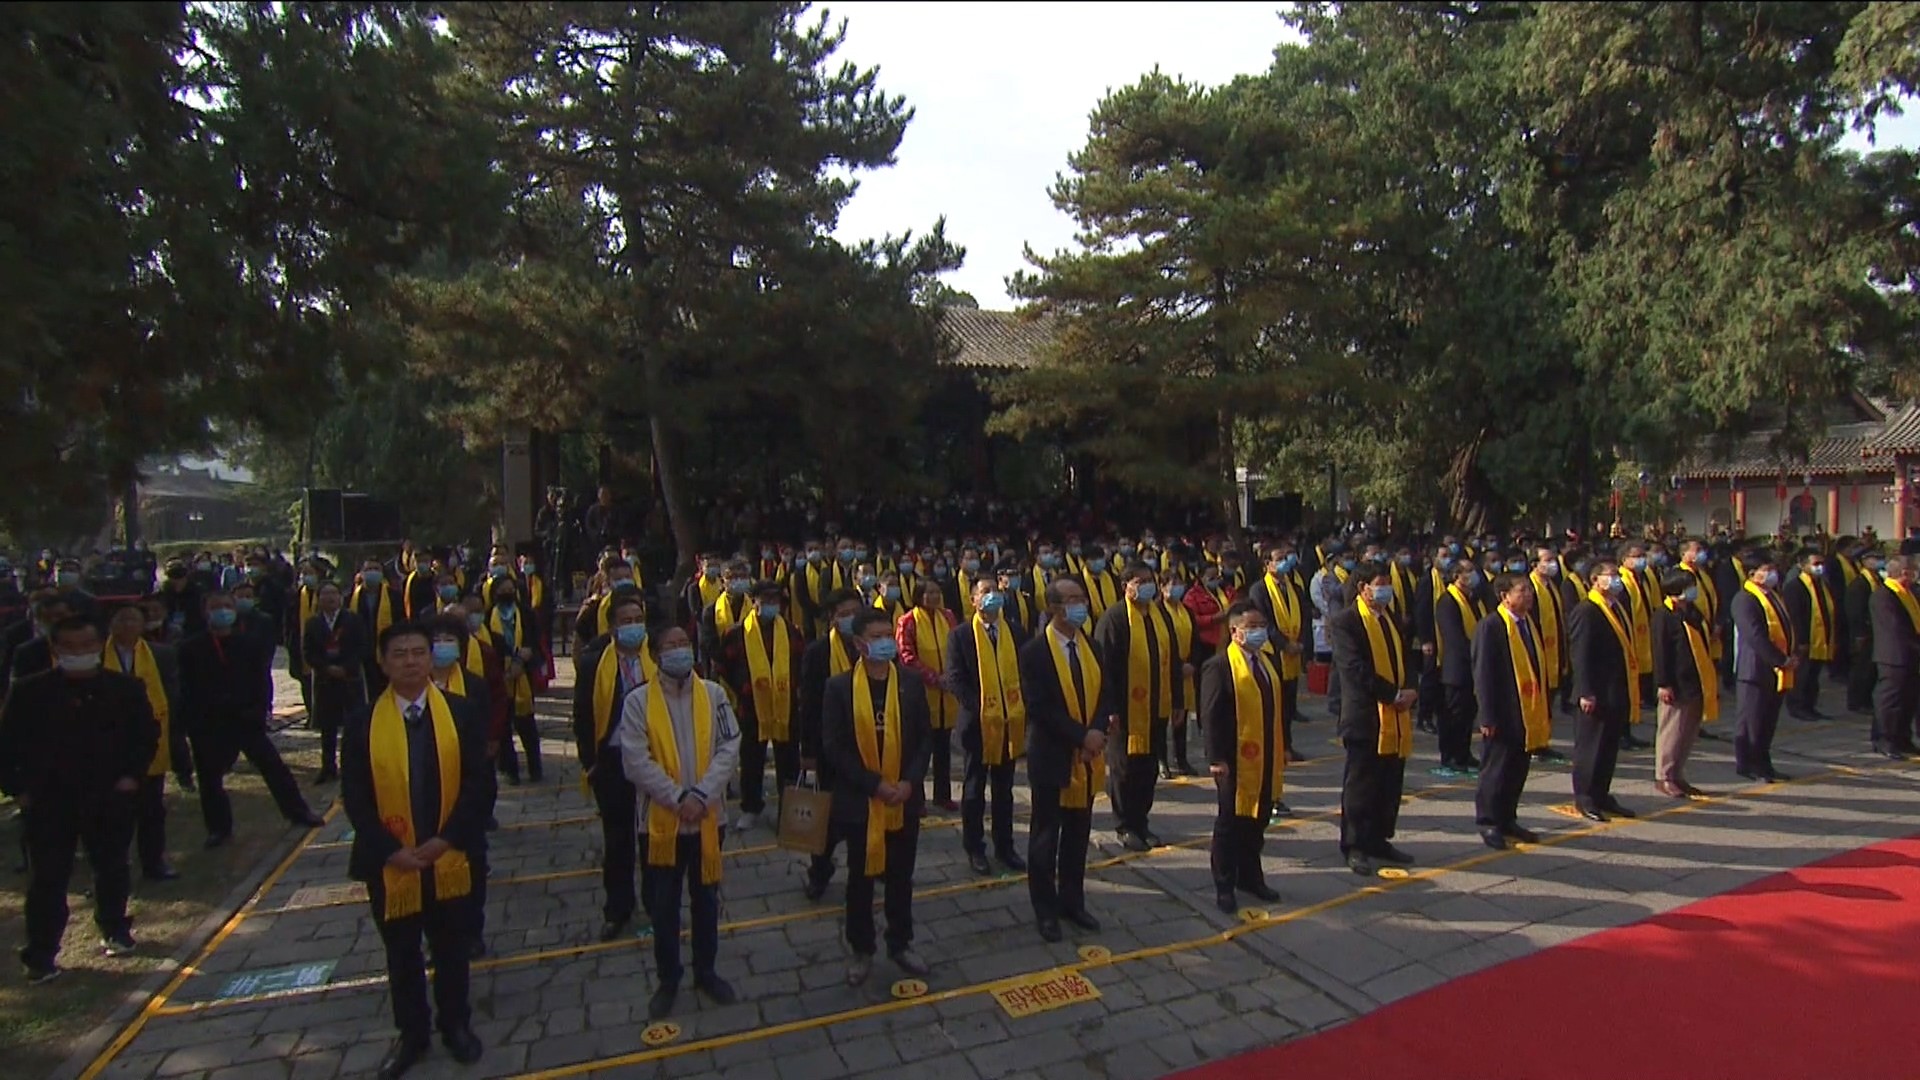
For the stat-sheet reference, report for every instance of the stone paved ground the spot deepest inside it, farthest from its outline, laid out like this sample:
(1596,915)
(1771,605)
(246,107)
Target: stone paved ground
(1180,983)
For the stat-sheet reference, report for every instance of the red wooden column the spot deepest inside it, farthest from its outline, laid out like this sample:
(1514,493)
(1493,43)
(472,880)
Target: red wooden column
(1833,511)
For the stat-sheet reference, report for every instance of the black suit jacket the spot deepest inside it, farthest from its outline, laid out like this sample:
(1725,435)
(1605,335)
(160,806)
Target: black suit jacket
(585,671)
(1756,658)
(226,681)
(1494,684)
(854,783)
(1859,607)
(466,826)
(1053,737)
(51,748)
(1221,721)
(1361,691)
(1113,639)
(1895,642)
(1456,648)
(1262,600)
(33,657)
(963,669)
(1801,602)
(1673,666)
(1599,664)
(816,665)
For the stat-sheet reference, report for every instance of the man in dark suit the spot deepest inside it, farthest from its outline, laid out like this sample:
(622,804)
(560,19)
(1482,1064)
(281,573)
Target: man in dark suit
(334,648)
(1240,824)
(1281,601)
(1511,728)
(1146,709)
(988,763)
(391,851)
(1688,688)
(74,744)
(834,653)
(1600,644)
(1861,669)
(1817,626)
(1896,656)
(596,725)
(1456,615)
(862,788)
(226,688)
(33,652)
(454,678)
(1766,662)
(1376,722)
(1066,742)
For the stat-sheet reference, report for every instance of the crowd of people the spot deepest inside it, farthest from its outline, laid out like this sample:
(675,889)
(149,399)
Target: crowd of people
(864,662)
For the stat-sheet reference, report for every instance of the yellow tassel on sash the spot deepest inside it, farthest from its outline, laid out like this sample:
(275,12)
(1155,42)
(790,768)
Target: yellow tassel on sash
(148,672)
(772,676)
(884,760)
(1632,655)
(1527,679)
(1003,710)
(1143,705)
(1256,731)
(1703,663)
(663,822)
(1779,631)
(1389,663)
(393,799)
(1083,778)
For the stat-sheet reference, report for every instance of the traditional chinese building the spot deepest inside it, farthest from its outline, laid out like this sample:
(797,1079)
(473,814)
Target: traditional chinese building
(1862,473)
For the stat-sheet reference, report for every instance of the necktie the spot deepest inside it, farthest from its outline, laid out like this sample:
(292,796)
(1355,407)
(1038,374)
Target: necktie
(1079,680)
(1526,638)
(1259,671)
(413,714)
(993,634)
(629,672)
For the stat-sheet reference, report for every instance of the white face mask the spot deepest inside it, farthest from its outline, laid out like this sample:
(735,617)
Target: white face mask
(79,663)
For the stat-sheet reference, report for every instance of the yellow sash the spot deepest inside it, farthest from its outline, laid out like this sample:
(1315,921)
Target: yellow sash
(476,661)
(724,620)
(1082,780)
(1469,620)
(406,593)
(606,680)
(309,603)
(1907,601)
(1402,589)
(1383,641)
(1548,613)
(536,592)
(1003,709)
(1632,655)
(930,647)
(1709,605)
(1778,632)
(382,610)
(1286,623)
(456,682)
(663,822)
(883,759)
(840,654)
(1182,620)
(522,687)
(393,800)
(1819,624)
(1102,592)
(1257,731)
(1703,663)
(1527,679)
(1642,610)
(711,589)
(772,676)
(1141,712)
(148,673)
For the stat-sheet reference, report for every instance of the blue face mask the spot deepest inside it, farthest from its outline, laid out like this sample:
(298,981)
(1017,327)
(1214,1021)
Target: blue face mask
(1516,567)
(1690,595)
(859,554)
(1050,561)
(847,555)
(1097,566)
(310,580)
(992,602)
(1348,565)
(882,649)
(1580,567)
(222,618)
(1773,579)
(1176,592)
(1146,590)
(815,557)
(1615,585)
(1288,563)
(845,626)
(769,612)
(1454,550)
(869,581)
(449,593)
(506,610)
(243,603)
(630,636)
(372,578)
(474,621)
(739,586)
(893,592)
(1254,640)
(971,566)
(1638,562)
(1013,581)
(1817,570)
(496,572)
(1383,594)
(446,654)
(625,585)
(1403,560)
(1076,614)
(677,663)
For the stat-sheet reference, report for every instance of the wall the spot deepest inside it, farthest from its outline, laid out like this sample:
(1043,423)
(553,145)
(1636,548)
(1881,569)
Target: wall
(1765,510)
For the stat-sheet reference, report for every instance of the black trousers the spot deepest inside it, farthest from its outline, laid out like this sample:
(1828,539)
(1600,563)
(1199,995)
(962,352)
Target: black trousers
(1369,797)
(978,780)
(1756,717)
(1862,676)
(1458,709)
(1431,700)
(1503,777)
(101,822)
(1596,750)
(528,730)
(181,752)
(753,765)
(1238,841)
(1057,843)
(150,822)
(1803,699)
(903,845)
(332,699)
(446,927)
(665,888)
(1290,708)
(214,753)
(1131,777)
(620,835)
(1896,695)
(943,765)
(1176,753)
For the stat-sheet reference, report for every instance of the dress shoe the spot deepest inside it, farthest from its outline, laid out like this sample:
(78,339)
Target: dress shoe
(910,962)
(1592,813)
(1185,768)
(406,1053)
(1390,854)
(1613,807)
(1166,771)
(1151,839)
(718,990)
(1694,792)
(1548,753)
(1133,842)
(1226,902)
(1628,742)
(1746,774)
(948,806)
(476,949)
(1776,776)
(462,1045)
(215,840)
(1521,834)
(814,889)
(858,968)
(1362,865)
(1261,891)
(1049,929)
(660,1005)
(613,929)
(978,861)
(161,872)
(1082,920)
(1011,860)
(310,821)
(1295,757)
(1494,839)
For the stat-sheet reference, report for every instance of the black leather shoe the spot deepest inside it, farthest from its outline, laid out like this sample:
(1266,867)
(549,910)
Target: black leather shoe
(1262,891)
(462,1045)
(1049,929)
(1746,774)
(660,1005)
(1295,757)
(161,872)
(1133,842)
(1185,768)
(1613,807)
(718,990)
(1011,860)
(1151,839)
(310,821)
(1225,902)
(1362,865)
(814,889)
(1523,835)
(215,840)
(406,1053)
(1592,813)
(1390,854)
(1166,771)
(1494,839)
(978,861)
(1776,776)
(612,929)
(1082,920)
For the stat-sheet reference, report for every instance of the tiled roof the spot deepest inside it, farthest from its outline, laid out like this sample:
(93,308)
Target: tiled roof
(1901,433)
(1756,455)
(1000,340)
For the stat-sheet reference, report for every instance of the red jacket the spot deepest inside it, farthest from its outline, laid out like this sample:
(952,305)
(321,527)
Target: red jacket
(1206,611)
(906,636)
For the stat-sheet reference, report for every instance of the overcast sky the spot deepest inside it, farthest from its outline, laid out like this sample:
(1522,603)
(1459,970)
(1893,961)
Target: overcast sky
(1001,93)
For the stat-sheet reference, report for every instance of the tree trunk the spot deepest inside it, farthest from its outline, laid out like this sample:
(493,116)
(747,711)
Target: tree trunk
(1469,502)
(1227,458)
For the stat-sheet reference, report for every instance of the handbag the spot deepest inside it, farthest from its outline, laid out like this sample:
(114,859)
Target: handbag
(804,814)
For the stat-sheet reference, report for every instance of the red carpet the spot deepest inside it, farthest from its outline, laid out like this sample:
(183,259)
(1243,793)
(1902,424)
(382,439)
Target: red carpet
(1812,973)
